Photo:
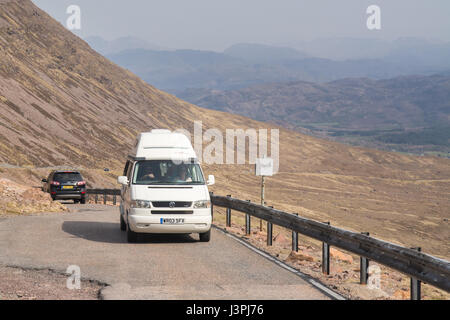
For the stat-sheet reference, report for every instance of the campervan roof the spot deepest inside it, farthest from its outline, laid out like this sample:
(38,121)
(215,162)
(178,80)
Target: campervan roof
(163,145)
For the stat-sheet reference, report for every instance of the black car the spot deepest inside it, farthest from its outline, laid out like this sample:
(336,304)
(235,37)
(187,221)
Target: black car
(66,185)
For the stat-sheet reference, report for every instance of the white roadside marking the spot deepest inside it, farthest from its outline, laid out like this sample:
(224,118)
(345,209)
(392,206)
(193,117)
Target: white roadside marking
(314,283)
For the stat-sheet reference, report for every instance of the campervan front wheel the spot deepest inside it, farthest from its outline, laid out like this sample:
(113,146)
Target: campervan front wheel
(123,225)
(205,237)
(131,236)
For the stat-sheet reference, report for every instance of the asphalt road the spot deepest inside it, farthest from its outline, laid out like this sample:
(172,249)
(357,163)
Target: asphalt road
(158,267)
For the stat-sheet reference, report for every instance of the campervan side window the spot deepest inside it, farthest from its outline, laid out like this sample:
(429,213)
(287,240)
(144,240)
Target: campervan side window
(166,172)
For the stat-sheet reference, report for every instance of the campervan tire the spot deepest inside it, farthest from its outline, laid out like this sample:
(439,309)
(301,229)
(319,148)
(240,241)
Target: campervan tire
(131,236)
(123,225)
(205,237)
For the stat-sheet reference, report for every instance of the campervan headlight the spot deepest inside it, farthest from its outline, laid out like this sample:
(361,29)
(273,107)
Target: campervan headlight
(202,204)
(141,204)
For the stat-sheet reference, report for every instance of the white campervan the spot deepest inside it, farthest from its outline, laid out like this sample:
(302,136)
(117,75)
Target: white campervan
(164,189)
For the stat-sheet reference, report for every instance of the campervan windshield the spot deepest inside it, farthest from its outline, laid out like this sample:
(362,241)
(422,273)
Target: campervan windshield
(167,172)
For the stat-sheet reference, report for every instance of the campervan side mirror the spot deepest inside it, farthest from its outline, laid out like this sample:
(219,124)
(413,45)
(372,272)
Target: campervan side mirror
(211,180)
(123,180)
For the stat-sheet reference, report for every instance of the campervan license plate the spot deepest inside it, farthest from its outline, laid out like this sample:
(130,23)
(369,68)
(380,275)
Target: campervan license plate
(172,221)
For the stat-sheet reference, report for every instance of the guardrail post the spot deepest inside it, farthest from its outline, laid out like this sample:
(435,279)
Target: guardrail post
(96,198)
(416,284)
(295,239)
(104,197)
(326,257)
(269,233)
(211,196)
(420,268)
(229,215)
(248,221)
(364,267)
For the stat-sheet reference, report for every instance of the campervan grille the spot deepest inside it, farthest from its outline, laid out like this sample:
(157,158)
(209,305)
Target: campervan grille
(172,212)
(171,204)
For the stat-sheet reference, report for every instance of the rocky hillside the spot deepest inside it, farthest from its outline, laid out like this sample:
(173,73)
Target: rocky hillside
(61,103)
(64,103)
(400,110)
(20,199)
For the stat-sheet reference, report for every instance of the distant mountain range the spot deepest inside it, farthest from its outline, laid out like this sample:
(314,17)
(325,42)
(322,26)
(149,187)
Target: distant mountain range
(259,53)
(245,65)
(409,110)
(361,48)
(364,95)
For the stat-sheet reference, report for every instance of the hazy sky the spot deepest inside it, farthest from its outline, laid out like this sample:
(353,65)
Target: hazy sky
(215,25)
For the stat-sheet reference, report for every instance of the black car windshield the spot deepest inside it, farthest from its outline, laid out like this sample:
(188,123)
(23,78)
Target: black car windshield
(67,177)
(167,172)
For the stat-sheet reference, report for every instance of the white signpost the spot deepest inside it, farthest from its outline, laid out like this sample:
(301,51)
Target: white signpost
(264,168)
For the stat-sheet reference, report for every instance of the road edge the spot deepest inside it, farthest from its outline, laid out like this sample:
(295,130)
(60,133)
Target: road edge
(310,280)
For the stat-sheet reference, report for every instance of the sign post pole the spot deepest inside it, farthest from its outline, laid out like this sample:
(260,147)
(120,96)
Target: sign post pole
(264,168)
(263,186)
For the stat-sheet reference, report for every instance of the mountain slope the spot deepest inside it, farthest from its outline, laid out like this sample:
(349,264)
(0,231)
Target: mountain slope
(63,104)
(383,107)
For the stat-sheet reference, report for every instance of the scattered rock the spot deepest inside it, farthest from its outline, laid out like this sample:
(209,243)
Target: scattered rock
(401,295)
(337,270)
(19,199)
(299,256)
(339,255)
(281,239)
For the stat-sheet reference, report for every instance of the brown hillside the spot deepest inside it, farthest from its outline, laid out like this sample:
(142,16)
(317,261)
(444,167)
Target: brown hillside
(61,103)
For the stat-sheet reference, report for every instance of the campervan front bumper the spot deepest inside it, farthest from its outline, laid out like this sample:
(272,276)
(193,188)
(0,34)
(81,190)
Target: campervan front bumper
(170,221)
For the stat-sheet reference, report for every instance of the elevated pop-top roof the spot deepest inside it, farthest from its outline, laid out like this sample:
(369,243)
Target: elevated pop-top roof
(163,145)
